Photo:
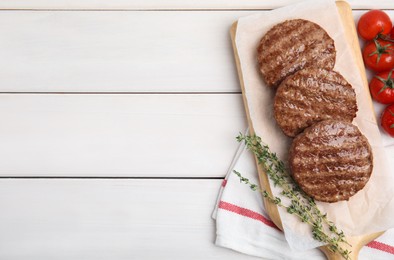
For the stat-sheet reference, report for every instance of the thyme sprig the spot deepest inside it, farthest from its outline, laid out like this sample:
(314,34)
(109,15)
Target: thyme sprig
(301,205)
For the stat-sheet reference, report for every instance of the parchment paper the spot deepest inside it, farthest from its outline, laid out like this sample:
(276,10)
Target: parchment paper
(371,209)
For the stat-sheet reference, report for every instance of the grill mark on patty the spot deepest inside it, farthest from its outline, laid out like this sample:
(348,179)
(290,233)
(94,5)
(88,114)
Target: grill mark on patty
(299,108)
(297,35)
(331,90)
(297,97)
(329,143)
(323,156)
(312,95)
(331,168)
(344,141)
(335,195)
(293,45)
(331,160)
(338,184)
(309,82)
(290,30)
(291,53)
(360,172)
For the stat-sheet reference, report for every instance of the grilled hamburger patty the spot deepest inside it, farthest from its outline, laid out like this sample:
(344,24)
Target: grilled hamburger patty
(312,95)
(331,160)
(291,46)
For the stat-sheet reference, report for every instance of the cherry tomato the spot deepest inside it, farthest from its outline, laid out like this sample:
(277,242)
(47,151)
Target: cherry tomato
(372,23)
(382,87)
(392,33)
(379,55)
(387,120)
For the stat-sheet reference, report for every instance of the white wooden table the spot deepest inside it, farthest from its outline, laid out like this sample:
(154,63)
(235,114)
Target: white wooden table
(118,121)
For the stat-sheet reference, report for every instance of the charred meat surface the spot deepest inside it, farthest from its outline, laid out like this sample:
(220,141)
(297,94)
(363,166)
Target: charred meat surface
(293,45)
(331,160)
(310,96)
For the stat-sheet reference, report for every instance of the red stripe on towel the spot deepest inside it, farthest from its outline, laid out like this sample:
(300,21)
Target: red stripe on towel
(246,213)
(224,182)
(256,216)
(381,246)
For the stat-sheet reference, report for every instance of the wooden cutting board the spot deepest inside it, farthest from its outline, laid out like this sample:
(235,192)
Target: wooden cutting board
(346,15)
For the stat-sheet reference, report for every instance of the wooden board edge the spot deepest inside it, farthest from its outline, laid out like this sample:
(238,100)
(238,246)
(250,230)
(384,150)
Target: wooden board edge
(271,208)
(344,10)
(357,243)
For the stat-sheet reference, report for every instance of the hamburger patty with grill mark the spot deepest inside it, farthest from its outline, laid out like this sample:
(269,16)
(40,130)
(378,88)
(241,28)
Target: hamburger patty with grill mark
(310,96)
(331,160)
(293,45)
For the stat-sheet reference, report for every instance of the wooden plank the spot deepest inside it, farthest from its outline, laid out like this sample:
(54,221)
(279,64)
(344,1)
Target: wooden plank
(172,4)
(116,52)
(92,51)
(119,135)
(50,219)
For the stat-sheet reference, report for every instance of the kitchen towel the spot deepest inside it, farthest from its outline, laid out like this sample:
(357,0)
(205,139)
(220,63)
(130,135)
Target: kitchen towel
(243,225)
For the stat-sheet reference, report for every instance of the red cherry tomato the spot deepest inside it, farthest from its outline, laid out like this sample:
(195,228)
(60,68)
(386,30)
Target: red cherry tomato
(379,55)
(392,33)
(382,87)
(372,23)
(387,120)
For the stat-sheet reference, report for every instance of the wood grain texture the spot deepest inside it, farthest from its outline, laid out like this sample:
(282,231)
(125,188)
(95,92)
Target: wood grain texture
(172,4)
(116,52)
(93,51)
(109,219)
(271,208)
(62,219)
(119,135)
